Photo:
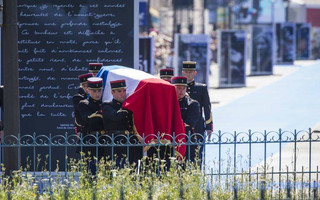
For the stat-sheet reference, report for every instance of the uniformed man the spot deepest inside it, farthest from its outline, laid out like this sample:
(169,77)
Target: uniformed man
(92,119)
(95,68)
(82,94)
(199,92)
(118,122)
(190,113)
(166,74)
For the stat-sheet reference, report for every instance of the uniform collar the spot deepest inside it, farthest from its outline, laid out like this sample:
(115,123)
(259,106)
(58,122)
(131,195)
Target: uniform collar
(181,99)
(95,101)
(191,83)
(117,102)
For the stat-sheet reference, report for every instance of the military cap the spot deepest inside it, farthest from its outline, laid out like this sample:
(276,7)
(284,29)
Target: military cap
(166,73)
(84,77)
(94,83)
(179,80)
(189,65)
(118,84)
(95,67)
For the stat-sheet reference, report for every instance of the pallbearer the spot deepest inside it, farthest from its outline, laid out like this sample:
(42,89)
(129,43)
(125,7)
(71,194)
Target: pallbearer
(82,94)
(92,118)
(94,68)
(199,92)
(190,113)
(118,123)
(166,74)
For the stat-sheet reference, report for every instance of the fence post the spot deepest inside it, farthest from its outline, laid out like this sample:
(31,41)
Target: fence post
(208,189)
(295,163)
(150,188)
(34,153)
(250,141)
(265,152)
(174,145)
(315,190)
(97,152)
(302,183)
(66,155)
(272,182)
(66,193)
(262,190)
(219,141)
(181,189)
(8,195)
(289,190)
(310,140)
(121,192)
(317,178)
(188,144)
(280,158)
(19,150)
(235,191)
(288,185)
(50,152)
(94,195)
(235,157)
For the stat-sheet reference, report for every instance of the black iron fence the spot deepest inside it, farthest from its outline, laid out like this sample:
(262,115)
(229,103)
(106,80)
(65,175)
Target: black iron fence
(288,159)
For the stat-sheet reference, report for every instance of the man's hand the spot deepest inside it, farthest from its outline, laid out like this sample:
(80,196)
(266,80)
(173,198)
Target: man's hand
(209,134)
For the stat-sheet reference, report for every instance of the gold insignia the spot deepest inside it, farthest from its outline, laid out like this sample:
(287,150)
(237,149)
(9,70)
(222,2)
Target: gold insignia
(210,119)
(75,121)
(95,115)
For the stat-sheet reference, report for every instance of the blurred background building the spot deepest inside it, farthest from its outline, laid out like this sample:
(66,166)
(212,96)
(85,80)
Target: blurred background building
(163,18)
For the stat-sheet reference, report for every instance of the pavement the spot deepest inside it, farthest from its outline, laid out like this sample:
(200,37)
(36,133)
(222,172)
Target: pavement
(287,100)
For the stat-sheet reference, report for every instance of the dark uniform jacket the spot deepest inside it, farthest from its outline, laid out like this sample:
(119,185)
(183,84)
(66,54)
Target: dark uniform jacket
(119,122)
(79,123)
(190,112)
(114,118)
(91,117)
(199,92)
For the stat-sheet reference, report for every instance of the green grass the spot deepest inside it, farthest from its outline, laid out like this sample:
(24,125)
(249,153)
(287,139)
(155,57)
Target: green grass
(148,181)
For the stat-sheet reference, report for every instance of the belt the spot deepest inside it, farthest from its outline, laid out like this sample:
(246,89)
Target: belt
(98,132)
(118,132)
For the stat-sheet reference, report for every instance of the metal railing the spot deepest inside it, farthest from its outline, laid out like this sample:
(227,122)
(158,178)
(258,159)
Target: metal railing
(286,174)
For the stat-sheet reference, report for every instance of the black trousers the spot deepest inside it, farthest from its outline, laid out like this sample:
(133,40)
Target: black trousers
(123,151)
(195,145)
(162,153)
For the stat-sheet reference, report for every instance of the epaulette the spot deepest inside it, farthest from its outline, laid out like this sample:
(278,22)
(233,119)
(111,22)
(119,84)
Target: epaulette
(121,110)
(107,103)
(78,95)
(200,84)
(84,101)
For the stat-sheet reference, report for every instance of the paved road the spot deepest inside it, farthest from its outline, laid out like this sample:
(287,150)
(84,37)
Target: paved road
(293,102)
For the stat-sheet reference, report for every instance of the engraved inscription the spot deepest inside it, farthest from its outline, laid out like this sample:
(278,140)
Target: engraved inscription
(57,40)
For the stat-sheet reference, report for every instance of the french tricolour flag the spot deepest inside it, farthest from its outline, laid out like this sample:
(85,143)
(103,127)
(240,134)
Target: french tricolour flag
(153,102)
